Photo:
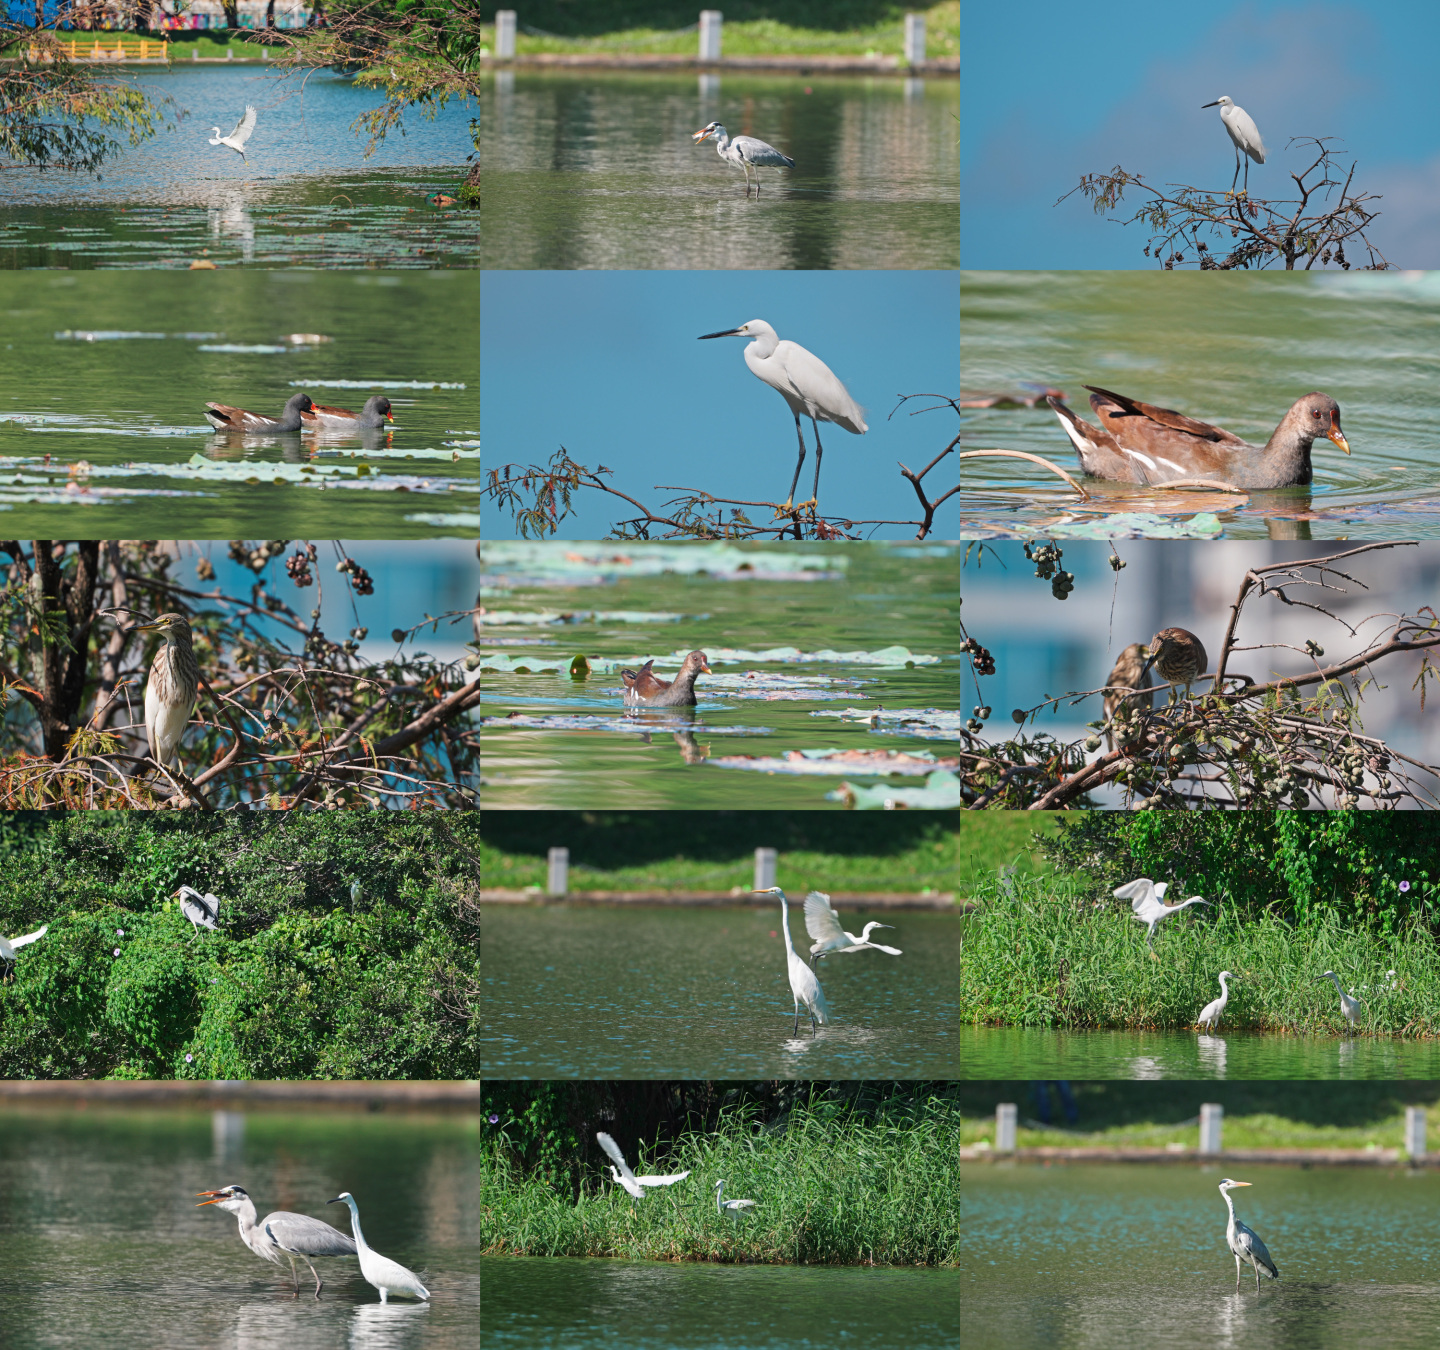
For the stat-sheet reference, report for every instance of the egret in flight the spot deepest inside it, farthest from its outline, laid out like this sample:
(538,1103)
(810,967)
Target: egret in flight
(1244,133)
(199,909)
(744,152)
(1147,899)
(388,1276)
(823,924)
(1349,1006)
(626,1178)
(1244,1242)
(237,138)
(803,984)
(8,945)
(1210,1015)
(281,1234)
(806,383)
(731,1207)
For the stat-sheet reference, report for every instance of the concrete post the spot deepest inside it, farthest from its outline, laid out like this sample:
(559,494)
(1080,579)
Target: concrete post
(1211,1116)
(764,868)
(557,878)
(1005,1127)
(505,34)
(1415,1132)
(914,39)
(710,20)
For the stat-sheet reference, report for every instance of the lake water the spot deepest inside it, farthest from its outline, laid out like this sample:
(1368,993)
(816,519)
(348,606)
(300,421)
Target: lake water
(103,1241)
(1041,1053)
(102,418)
(1092,1257)
(545,1303)
(1236,350)
(599,170)
(576,991)
(307,196)
(554,741)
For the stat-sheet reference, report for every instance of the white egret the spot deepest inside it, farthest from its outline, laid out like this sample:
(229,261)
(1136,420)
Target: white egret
(281,1233)
(1349,1006)
(1210,1013)
(626,1178)
(745,152)
(1243,132)
(1245,1242)
(823,924)
(806,383)
(199,909)
(803,984)
(1147,899)
(388,1276)
(731,1207)
(8,945)
(237,138)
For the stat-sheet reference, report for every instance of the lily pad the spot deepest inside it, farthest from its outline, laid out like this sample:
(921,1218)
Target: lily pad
(834,763)
(940,793)
(926,723)
(551,563)
(593,722)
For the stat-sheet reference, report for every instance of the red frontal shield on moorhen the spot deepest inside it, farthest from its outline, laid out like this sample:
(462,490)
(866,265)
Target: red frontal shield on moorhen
(1141,443)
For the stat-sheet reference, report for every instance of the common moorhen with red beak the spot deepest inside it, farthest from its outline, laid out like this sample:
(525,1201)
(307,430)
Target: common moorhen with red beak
(1140,443)
(644,686)
(375,414)
(223,418)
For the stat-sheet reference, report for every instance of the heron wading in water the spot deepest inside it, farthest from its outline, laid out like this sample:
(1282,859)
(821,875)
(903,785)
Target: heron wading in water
(388,1276)
(1243,132)
(281,1234)
(745,152)
(1348,1005)
(803,984)
(806,383)
(1244,1242)
(1210,1014)
(172,689)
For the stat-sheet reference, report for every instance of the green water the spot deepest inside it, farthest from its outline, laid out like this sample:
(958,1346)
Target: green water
(103,1241)
(1093,1257)
(539,1303)
(1234,350)
(592,170)
(1035,1052)
(659,992)
(876,596)
(131,407)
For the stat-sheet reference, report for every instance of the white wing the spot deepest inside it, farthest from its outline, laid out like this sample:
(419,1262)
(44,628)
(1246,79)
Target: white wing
(739,1204)
(625,1177)
(1139,893)
(891,951)
(821,922)
(663,1181)
(30,937)
(818,388)
(244,127)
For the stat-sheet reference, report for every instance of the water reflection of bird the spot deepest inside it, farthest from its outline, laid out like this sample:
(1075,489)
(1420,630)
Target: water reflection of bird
(1179,656)
(1129,672)
(172,689)
(644,686)
(224,418)
(1245,1244)
(744,152)
(281,1233)
(237,138)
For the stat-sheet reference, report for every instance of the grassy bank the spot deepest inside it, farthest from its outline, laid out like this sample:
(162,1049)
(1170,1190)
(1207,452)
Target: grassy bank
(832,1188)
(990,840)
(1043,953)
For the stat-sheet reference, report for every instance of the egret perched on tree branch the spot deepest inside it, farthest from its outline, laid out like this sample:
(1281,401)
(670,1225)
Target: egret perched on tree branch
(1349,1006)
(803,984)
(172,689)
(626,1178)
(1147,899)
(1244,133)
(1244,1242)
(388,1276)
(237,138)
(806,383)
(731,1207)
(744,152)
(1210,1014)
(282,1233)
(824,925)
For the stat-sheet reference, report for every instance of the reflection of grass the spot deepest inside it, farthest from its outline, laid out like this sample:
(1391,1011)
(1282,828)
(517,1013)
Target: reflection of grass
(990,840)
(1257,1115)
(1046,954)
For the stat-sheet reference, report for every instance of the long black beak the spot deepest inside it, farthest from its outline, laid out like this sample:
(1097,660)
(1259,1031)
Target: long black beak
(729,332)
(1211,105)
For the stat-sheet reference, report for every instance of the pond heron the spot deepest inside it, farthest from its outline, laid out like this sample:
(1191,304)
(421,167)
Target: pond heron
(172,689)
(1179,656)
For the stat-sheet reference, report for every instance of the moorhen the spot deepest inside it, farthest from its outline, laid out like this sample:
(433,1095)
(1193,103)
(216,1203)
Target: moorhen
(375,414)
(644,686)
(1140,443)
(223,418)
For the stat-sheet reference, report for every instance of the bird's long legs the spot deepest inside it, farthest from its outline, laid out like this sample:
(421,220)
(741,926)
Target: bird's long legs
(819,450)
(799,463)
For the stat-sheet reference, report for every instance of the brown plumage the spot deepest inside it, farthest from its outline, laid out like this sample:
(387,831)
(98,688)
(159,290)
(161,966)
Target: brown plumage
(644,686)
(1179,657)
(1130,672)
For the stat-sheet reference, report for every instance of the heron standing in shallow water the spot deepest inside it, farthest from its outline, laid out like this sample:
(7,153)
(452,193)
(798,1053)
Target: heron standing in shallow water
(281,1234)
(1210,1015)
(1244,1242)
(388,1276)
(172,689)
(745,152)
(1348,1005)
(803,985)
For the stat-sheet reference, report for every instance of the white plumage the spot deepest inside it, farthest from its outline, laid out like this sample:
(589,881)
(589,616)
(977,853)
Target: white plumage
(237,138)
(388,1276)
(823,924)
(626,1178)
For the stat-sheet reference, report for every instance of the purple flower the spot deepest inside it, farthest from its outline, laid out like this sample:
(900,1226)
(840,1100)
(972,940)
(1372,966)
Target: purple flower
(189,1059)
(1404,886)
(494,1120)
(117,951)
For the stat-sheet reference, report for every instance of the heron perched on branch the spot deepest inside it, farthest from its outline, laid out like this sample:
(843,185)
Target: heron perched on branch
(172,689)
(1244,1243)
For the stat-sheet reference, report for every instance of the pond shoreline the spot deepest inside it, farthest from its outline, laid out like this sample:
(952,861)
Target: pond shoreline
(1303,1157)
(841,899)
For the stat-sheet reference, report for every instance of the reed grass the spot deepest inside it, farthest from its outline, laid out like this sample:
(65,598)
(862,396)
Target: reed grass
(832,1188)
(1040,952)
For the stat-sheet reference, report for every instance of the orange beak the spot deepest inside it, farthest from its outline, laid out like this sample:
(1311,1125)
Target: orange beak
(215,1198)
(1334,434)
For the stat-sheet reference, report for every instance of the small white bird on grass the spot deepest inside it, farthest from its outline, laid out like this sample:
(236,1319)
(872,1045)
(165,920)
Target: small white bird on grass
(1243,132)
(1147,900)
(626,1178)
(823,924)
(199,909)
(8,946)
(237,138)
(1210,1015)
(731,1207)
(803,984)
(744,152)
(1349,1006)
(388,1276)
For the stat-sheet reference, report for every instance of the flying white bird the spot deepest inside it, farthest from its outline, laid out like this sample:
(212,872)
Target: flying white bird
(731,1207)
(1147,899)
(388,1276)
(823,924)
(626,1178)
(1210,1013)
(199,909)
(1244,133)
(237,138)
(1244,1242)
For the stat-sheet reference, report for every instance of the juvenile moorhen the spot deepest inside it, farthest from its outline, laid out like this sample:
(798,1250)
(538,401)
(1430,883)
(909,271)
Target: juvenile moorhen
(223,418)
(375,414)
(1140,443)
(644,686)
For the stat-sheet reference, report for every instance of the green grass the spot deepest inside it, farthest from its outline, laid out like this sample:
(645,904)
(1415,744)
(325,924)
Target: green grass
(181,47)
(833,1188)
(1045,953)
(990,840)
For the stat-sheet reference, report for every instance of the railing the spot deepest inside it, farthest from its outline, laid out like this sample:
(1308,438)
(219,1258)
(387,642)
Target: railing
(109,47)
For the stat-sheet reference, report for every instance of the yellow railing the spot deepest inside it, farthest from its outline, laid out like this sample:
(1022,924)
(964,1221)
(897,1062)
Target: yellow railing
(111,47)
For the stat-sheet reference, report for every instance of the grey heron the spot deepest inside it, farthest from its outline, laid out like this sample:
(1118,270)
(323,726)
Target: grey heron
(199,909)
(237,138)
(8,945)
(1349,1006)
(733,1208)
(806,383)
(388,1276)
(281,1233)
(1243,132)
(803,985)
(1210,1014)
(1147,899)
(1244,1242)
(626,1178)
(745,152)
(823,924)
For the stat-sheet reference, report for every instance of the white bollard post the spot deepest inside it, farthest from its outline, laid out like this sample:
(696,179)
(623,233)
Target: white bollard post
(1415,1132)
(764,868)
(710,20)
(1005,1127)
(914,39)
(557,876)
(505,34)
(1211,1116)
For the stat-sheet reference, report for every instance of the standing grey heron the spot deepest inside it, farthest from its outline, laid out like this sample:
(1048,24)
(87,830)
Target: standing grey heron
(172,689)
(1147,899)
(1210,1014)
(803,985)
(823,924)
(237,138)
(8,945)
(1349,1006)
(388,1276)
(281,1233)
(806,383)
(626,1178)
(1245,1242)
(734,1208)
(1243,132)
(199,909)
(745,152)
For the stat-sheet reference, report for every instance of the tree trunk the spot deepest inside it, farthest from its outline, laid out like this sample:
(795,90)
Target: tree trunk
(63,672)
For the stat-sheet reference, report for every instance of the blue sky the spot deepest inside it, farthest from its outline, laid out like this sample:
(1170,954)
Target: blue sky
(609,365)
(1051,91)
